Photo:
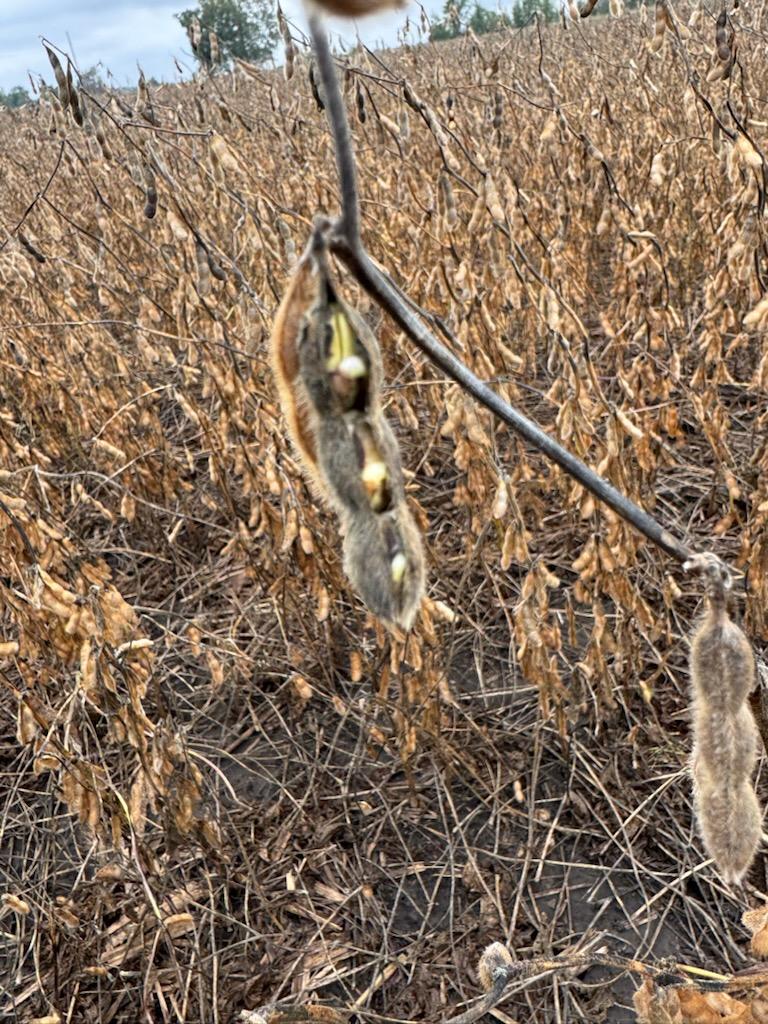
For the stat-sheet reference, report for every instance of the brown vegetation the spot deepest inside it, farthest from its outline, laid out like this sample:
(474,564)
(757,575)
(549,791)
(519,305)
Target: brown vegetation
(223,786)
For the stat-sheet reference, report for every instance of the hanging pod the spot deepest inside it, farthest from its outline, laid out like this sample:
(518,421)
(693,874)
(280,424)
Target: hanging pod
(328,369)
(725,737)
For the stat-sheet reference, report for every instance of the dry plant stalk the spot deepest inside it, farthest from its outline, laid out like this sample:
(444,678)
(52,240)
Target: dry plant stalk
(725,737)
(328,370)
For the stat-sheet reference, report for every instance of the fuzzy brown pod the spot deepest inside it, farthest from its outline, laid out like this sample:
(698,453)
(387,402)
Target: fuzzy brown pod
(143,106)
(290,49)
(203,269)
(61,79)
(150,186)
(384,559)
(360,103)
(195,34)
(722,40)
(725,737)
(725,49)
(213,43)
(74,99)
(328,370)
(494,965)
(449,201)
(661,21)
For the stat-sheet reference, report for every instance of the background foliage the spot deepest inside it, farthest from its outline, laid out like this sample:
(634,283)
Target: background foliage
(460,15)
(244,28)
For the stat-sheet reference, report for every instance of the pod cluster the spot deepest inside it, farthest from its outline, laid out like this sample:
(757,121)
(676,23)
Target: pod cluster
(328,369)
(725,48)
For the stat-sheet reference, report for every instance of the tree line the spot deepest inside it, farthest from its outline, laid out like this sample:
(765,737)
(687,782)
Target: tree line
(221,30)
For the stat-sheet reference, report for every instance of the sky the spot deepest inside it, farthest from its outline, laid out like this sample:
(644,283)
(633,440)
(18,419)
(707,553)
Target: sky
(120,34)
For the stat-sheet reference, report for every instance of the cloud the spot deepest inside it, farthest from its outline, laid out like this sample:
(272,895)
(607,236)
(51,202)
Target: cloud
(121,33)
(116,33)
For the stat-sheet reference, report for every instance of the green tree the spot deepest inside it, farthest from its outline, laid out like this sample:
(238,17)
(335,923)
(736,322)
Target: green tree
(460,15)
(243,28)
(15,97)
(524,10)
(483,21)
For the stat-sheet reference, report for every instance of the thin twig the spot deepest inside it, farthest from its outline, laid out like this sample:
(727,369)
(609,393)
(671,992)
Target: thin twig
(38,196)
(349,224)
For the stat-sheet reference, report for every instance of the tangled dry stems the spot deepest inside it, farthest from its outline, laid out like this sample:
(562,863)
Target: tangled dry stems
(268,802)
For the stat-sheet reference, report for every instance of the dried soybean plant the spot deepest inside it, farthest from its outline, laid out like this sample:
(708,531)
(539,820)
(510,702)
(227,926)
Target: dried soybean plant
(330,401)
(518,223)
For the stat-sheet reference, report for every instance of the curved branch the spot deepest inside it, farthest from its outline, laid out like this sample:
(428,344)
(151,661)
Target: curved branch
(346,242)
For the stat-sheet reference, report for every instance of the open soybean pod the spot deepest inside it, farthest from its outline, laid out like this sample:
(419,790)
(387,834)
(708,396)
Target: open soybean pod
(379,464)
(327,367)
(358,462)
(339,357)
